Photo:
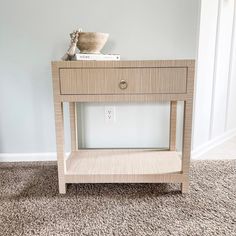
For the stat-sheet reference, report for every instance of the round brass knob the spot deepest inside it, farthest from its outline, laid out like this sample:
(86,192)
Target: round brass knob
(123,84)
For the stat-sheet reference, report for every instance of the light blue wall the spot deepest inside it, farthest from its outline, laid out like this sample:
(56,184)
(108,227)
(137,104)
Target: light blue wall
(32,33)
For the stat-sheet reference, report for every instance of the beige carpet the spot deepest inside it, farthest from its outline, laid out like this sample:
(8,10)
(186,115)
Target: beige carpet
(30,204)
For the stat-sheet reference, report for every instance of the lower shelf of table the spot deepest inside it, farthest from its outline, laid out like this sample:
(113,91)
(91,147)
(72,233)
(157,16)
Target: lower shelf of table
(123,166)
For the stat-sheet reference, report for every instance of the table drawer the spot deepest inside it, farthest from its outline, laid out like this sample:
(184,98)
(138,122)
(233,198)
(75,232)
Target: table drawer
(123,80)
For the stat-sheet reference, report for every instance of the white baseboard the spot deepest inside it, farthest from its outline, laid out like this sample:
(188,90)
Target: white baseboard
(17,157)
(198,152)
(51,156)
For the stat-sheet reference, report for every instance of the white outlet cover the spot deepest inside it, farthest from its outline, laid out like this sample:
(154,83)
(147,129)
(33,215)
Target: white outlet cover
(109,114)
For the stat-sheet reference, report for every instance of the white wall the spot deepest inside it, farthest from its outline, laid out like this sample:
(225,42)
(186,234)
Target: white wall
(215,110)
(231,98)
(35,32)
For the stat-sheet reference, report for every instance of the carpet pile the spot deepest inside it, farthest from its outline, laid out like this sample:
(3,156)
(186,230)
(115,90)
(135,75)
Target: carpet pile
(30,204)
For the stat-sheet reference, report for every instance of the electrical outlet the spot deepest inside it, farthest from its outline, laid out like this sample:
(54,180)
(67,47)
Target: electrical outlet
(110,114)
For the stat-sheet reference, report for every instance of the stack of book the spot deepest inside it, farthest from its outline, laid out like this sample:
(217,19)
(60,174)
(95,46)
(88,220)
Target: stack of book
(96,57)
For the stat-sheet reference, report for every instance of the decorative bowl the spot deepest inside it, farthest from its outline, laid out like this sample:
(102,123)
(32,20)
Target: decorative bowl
(91,42)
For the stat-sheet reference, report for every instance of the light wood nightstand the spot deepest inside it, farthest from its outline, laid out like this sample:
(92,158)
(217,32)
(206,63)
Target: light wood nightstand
(123,81)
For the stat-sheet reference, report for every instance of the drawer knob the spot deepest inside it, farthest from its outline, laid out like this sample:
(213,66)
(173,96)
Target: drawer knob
(123,84)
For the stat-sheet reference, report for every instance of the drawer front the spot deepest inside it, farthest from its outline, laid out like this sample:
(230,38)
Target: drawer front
(123,80)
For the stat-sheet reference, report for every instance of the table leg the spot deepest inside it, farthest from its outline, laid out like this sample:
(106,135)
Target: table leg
(186,151)
(59,120)
(73,126)
(173,118)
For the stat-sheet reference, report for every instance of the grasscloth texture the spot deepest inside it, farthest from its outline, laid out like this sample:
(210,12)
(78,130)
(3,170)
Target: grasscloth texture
(148,81)
(30,204)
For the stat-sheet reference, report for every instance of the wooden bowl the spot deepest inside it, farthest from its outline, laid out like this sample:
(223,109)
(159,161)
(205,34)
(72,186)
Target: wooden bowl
(91,42)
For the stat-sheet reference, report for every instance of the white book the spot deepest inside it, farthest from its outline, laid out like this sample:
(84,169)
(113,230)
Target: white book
(96,57)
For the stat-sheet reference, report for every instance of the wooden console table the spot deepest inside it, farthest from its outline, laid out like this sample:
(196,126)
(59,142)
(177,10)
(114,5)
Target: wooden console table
(123,81)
